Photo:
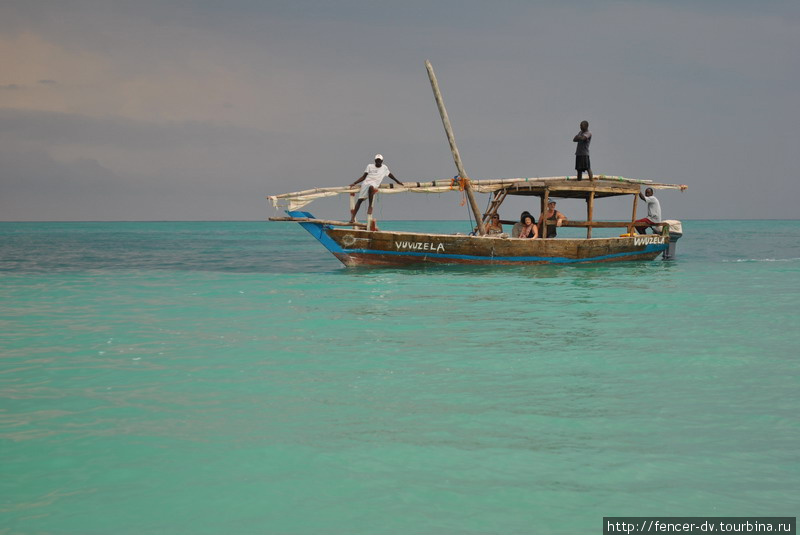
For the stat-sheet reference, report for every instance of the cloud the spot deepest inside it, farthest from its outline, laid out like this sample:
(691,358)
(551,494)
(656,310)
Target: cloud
(57,128)
(36,172)
(229,103)
(35,186)
(56,165)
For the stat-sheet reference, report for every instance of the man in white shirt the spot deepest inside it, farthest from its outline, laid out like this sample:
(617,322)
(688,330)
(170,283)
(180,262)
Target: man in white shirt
(653,212)
(372,178)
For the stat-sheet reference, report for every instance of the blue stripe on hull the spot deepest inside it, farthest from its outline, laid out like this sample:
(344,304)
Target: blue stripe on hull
(552,260)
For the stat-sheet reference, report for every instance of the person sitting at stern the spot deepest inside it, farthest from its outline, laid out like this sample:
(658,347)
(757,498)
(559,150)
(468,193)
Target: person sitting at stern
(653,218)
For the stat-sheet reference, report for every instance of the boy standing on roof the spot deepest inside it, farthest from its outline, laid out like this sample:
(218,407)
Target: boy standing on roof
(372,178)
(582,162)
(653,212)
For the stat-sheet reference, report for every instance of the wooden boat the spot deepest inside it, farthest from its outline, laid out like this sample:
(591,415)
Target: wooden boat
(357,244)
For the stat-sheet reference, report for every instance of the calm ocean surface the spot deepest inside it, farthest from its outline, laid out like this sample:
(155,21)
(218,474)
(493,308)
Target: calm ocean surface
(235,378)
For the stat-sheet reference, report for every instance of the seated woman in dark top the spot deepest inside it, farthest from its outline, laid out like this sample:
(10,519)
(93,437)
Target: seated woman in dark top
(527,226)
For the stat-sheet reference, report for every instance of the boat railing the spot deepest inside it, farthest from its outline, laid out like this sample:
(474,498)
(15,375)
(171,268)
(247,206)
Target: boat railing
(629,225)
(592,224)
(663,227)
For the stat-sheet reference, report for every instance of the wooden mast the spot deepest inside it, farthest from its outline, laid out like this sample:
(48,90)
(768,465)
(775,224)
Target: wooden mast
(476,211)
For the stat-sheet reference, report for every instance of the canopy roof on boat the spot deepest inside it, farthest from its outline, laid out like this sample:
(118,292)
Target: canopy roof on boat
(561,186)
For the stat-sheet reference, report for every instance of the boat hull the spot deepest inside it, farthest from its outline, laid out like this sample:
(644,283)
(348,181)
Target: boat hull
(382,248)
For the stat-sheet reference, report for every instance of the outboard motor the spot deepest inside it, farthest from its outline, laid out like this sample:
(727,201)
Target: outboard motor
(675,230)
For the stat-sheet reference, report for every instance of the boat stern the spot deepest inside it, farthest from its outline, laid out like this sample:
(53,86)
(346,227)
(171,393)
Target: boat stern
(674,230)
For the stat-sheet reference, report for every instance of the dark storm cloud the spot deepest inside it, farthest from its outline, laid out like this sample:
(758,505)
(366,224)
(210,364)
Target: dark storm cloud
(680,91)
(54,128)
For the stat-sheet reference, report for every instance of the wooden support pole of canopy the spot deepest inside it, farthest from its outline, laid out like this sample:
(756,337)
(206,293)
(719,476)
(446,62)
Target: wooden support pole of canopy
(633,217)
(542,221)
(589,214)
(476,211)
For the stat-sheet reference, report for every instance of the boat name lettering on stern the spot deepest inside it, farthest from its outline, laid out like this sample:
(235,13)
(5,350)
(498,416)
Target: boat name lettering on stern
(419,246)
(649,240)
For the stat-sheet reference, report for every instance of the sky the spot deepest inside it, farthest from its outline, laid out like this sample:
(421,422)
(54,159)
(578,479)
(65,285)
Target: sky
(198,109)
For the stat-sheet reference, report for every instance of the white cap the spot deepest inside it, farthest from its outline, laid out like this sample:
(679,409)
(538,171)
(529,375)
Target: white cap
(379,156)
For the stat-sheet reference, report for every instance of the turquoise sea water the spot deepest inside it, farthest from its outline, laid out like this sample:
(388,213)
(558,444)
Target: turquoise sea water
(208,378)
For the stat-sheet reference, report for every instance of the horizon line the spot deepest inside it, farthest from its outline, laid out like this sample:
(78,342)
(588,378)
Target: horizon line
(268,221)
